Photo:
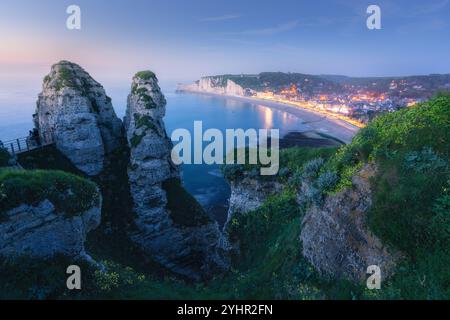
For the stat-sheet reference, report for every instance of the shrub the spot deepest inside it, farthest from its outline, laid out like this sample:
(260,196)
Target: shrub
(312,167)
(69,194)
(327,181)
(284,172)
(424,160)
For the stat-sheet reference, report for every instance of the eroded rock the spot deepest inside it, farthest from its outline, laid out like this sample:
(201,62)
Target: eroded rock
(336,238)
(74,111)
(41,232)
(169,225)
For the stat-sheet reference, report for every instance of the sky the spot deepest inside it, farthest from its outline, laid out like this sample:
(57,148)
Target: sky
(182,40)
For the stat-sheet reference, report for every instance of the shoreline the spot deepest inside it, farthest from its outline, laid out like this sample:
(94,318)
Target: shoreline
(317,122)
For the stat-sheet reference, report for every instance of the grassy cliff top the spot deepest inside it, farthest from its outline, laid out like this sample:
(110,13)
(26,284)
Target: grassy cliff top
(69,194)
(145,75)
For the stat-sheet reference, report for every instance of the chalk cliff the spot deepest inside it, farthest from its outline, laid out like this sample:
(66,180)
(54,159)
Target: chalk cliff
(169,225)
(216,85)
(74,111)
(336,238)
(248,194)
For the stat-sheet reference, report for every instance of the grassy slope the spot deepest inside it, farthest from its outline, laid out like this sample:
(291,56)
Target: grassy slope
(69,194)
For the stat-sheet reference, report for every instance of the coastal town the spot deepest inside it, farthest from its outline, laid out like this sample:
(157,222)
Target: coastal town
(354,100)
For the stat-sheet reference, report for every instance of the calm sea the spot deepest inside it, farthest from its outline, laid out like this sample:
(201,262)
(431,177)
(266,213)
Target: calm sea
(205,182)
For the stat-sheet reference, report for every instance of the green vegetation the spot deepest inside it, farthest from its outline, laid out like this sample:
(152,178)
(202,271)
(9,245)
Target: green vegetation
(291,163)
(4,157)
(145,75)
(69,194)
(144,121)
(410,210)
(185,211)
(143,96)
(277,81)
(136,139)
(66,78)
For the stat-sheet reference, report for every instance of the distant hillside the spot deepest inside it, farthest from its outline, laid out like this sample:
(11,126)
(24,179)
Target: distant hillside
(423,86)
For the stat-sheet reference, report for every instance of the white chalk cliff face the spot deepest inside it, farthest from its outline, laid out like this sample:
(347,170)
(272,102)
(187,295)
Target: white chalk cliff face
(169,226)
(74,111)
(216,85)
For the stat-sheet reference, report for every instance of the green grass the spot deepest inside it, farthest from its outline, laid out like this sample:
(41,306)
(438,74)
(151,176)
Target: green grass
(69,194)
(145,75)
(410,148)
(291,162)
(411,206)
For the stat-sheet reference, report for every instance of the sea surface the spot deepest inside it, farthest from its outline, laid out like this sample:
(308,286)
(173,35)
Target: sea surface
(204,182)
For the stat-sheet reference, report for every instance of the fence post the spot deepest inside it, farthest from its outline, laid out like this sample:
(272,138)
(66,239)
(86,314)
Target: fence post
(18,145)
(12,149)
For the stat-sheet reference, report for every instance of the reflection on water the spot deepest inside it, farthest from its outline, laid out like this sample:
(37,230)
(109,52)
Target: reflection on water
(268,116)
(203,181)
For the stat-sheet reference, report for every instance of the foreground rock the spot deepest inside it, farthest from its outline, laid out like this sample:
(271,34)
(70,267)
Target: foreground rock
(248,194)
(336,239)
(41,232)
(169,225)
(74,111)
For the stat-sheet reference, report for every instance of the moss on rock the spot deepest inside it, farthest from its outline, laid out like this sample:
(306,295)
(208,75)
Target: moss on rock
(69,194)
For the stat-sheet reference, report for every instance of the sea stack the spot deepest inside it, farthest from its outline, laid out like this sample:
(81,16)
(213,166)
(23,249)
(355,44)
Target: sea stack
(169,227)
(74,112)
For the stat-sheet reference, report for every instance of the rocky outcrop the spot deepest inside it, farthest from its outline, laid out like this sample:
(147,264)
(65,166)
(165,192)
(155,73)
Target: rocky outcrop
(168,226)
(216,85)
(41,232)
(74,111)
(336,239)
(248,194)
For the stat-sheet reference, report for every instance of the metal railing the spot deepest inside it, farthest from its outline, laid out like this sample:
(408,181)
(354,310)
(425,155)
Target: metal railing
(24,144)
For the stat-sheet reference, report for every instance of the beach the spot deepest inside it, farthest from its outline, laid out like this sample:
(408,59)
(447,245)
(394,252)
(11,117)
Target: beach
(316,122)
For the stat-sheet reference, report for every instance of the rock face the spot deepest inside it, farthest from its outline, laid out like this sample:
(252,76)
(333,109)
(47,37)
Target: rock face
(187,245)
(249,194)
(217,85)
(335,236)
(74,111)
(41,232)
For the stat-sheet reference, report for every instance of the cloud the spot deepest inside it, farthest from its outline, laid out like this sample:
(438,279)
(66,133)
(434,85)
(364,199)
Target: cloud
(222,18)
(268,31)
